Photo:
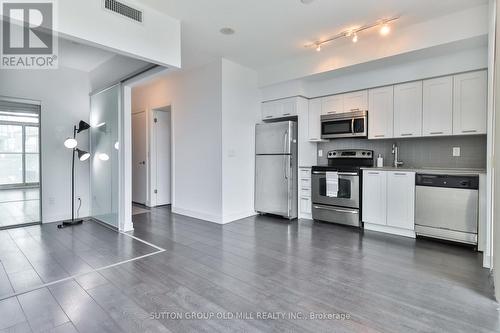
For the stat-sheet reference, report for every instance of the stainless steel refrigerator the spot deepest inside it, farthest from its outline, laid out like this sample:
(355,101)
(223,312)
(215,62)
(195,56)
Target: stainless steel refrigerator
(276,168)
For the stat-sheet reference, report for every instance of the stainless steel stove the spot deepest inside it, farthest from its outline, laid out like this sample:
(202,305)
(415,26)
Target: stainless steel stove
(345,207)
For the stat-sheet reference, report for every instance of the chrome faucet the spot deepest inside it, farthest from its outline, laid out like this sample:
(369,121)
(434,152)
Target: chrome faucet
(395,152)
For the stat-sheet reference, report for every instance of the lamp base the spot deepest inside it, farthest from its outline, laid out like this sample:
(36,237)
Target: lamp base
(69,223)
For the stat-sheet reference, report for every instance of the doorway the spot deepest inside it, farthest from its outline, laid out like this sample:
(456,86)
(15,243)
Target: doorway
(151,158)
(19,163)
(161,153)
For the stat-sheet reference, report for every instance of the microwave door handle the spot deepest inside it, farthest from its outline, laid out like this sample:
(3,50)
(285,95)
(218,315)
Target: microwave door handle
(352,125)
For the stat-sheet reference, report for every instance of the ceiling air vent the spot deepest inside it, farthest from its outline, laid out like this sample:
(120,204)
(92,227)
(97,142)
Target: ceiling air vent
(123,9)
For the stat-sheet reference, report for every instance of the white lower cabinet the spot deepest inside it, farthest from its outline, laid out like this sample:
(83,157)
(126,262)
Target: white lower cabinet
(389,202)
(305,202)
(401,200)
(374,197)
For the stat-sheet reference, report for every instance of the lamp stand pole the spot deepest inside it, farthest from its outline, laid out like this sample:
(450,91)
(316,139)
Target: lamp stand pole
(72,222)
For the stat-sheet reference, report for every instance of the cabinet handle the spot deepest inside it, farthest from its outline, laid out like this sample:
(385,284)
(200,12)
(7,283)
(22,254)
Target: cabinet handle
(400,174)
(267,117)
(330,112)
(406,134)
(469,131)
(286,114)
(380,136)
(356,109)
(313,139)
(374,173)
(432,133)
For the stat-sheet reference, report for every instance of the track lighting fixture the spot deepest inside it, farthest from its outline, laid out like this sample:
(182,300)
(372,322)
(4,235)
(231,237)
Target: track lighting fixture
(384,30)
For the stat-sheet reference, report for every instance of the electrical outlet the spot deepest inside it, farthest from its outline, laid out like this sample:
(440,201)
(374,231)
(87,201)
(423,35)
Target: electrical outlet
(456,151)
(320,153)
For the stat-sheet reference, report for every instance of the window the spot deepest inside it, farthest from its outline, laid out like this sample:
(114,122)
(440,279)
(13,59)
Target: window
(19,144)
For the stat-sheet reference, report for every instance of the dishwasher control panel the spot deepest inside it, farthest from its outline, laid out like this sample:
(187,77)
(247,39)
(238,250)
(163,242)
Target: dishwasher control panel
(450,181)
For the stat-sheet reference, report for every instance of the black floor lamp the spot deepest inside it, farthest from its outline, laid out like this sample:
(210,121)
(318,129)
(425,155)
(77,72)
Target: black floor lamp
(71,143)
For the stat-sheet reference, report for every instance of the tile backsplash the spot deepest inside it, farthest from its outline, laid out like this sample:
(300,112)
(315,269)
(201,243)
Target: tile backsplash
(434,152)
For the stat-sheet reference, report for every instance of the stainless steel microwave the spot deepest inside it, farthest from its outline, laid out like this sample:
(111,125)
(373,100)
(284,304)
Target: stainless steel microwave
(345,125)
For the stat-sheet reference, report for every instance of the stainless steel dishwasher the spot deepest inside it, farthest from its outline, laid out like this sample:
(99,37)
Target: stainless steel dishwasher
(446,207)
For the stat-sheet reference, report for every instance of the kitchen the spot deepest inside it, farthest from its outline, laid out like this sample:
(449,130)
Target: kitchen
(407,158)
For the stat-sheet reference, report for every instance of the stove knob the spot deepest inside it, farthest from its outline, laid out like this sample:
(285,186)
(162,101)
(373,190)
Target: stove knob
(363,153)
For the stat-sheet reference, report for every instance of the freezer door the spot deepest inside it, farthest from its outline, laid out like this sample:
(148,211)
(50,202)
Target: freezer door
(275,138)
(273,184)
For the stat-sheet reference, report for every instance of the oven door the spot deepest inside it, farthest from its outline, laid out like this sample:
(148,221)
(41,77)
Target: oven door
(347,196)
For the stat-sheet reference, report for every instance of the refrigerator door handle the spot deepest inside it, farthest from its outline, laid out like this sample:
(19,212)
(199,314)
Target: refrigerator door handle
(285,142)
(285,164)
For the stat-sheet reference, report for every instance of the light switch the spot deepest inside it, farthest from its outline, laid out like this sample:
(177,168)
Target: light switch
(456,151)
(320,153)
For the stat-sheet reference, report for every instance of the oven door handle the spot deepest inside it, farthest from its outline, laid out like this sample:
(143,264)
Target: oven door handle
(337,209)
(340,173)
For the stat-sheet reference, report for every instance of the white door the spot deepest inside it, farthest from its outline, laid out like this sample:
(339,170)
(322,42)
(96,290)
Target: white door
(380,118)
(332,104)
(162,137)
(375,197)
(315,119)
(401,200)
(356,101)
(470,103)
(438,106)
(139,157)
(408,109)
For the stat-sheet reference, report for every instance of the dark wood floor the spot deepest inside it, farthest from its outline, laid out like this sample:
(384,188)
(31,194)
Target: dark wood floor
(264,265)
(41,254)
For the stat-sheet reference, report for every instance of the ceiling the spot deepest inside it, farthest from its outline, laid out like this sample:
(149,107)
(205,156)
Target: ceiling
(271,31)
(81,57)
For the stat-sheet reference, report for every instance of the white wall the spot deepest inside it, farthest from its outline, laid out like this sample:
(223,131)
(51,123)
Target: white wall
(195,98)
(156,39)
(394,70)
(453,28)
(240,101)
(64,101)
(214,111)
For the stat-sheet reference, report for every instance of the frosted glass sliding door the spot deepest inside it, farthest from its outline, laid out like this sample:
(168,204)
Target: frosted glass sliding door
(105,108)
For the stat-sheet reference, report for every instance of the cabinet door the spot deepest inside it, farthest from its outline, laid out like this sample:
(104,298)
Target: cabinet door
(288,107)
(380,114)
(408,109)
(305,205)
(332,104)
(438,106)
(401,200)
(315,119)
(269,110)
(375,197)
(470,103)
(356,101)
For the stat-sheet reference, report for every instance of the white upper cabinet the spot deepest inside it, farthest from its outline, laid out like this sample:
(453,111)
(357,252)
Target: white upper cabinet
(408,109)
(356,101)
(314,119)
(401,199)
(380,113)
(374,197)
(438,106)
(280,108)
(470,103)
(332,104)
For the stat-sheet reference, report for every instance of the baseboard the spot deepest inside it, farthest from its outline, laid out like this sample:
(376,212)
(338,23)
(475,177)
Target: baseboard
(59,218)
(238,216)
(198,215)
(390,230)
